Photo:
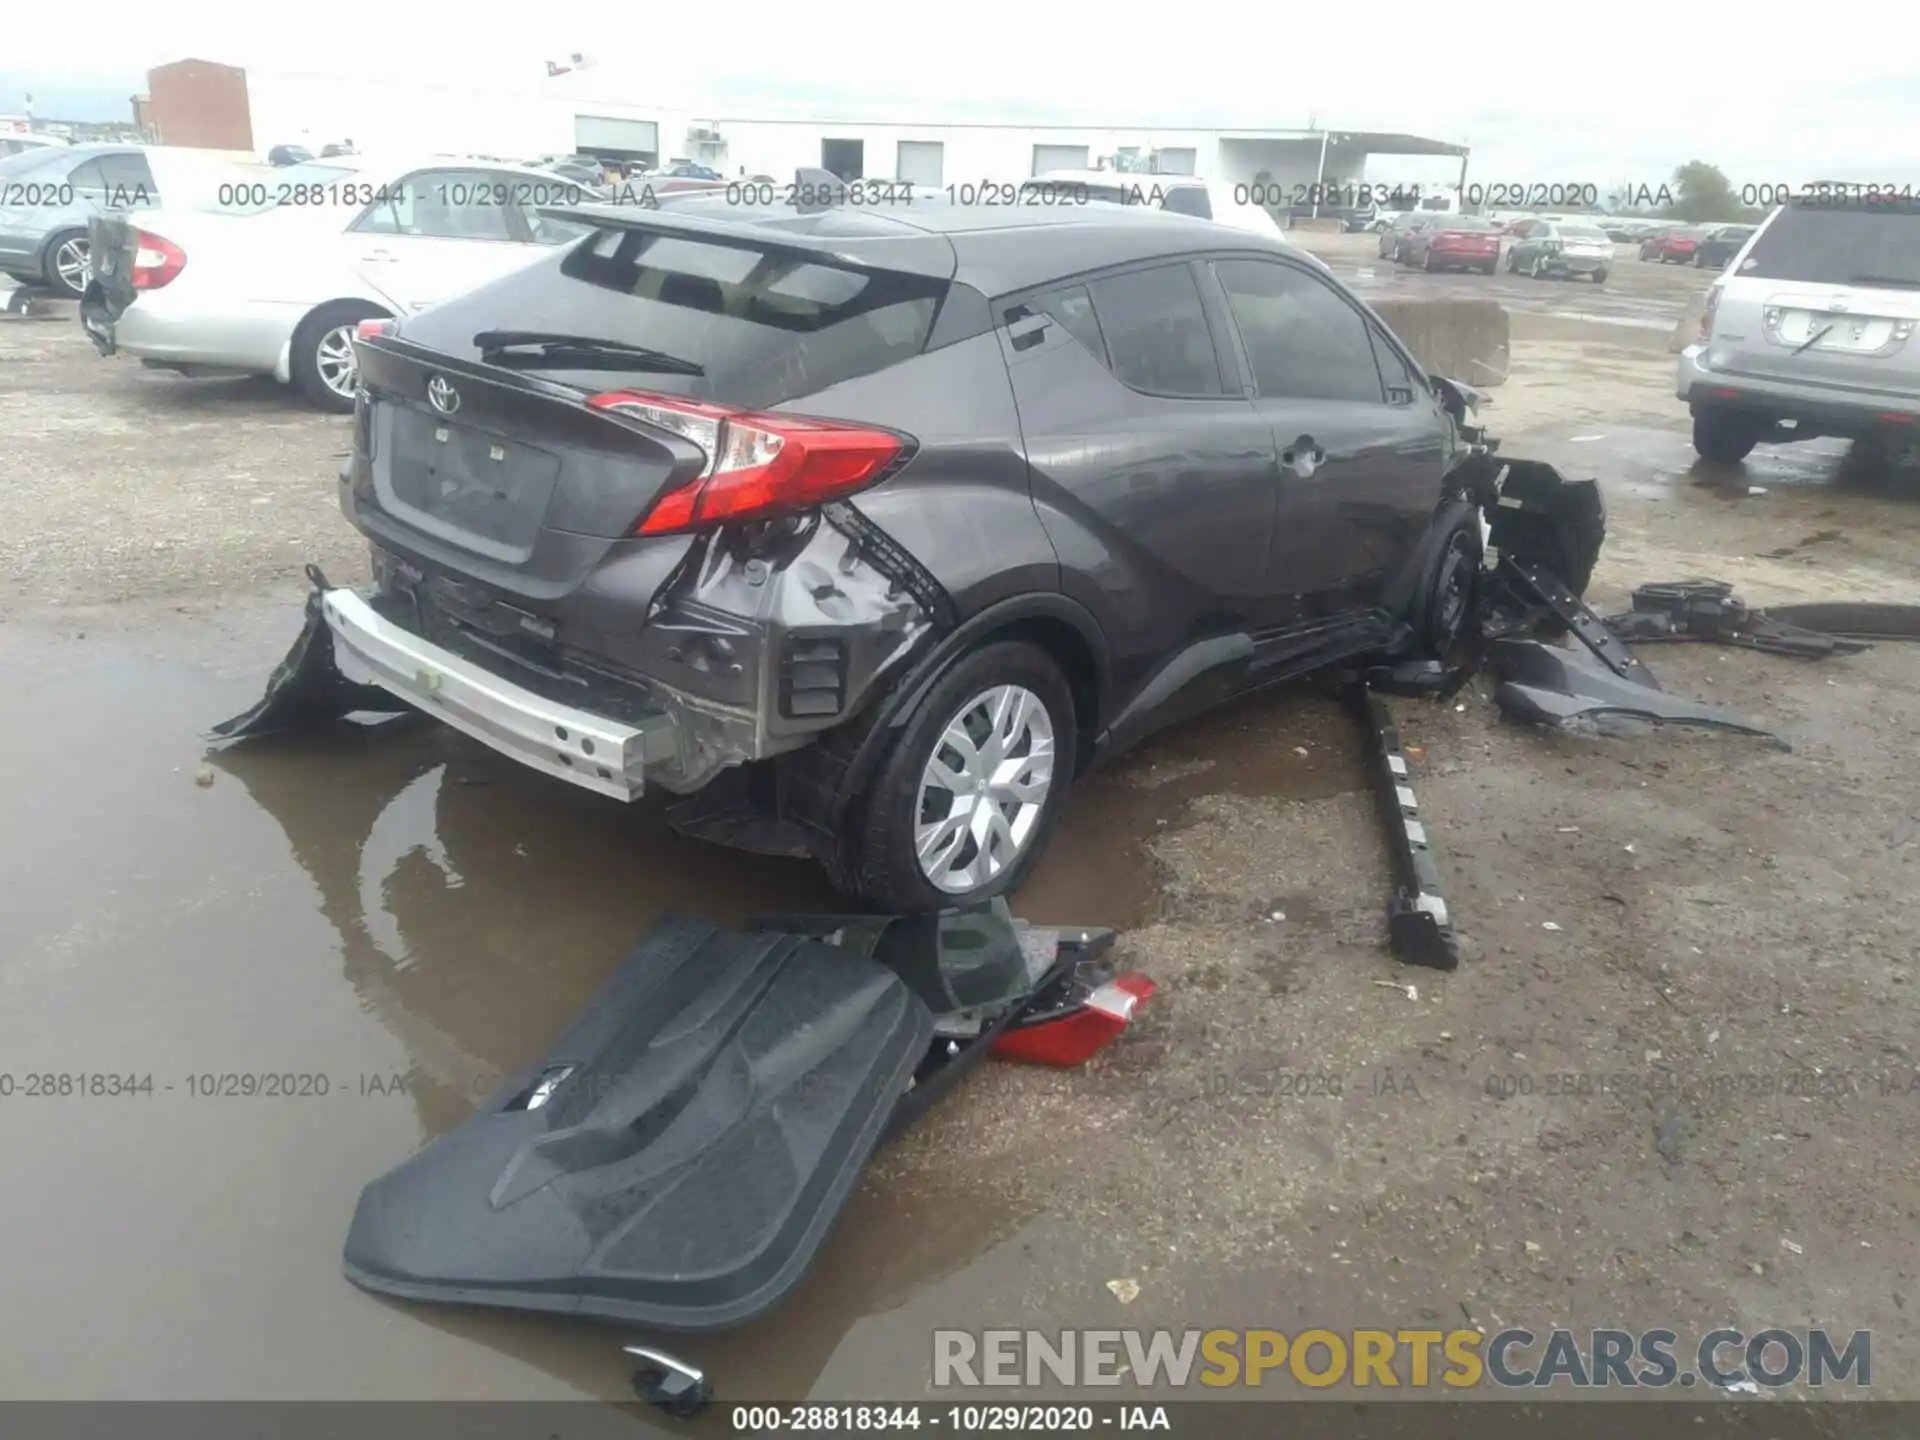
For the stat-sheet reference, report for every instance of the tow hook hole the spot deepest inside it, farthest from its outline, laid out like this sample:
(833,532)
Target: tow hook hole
(566,759)
(561,731)
(586,746)
(605,774)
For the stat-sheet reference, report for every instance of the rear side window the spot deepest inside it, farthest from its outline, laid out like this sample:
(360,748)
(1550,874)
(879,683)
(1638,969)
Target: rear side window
(1849,244)
(1304,341)
(1073,308)
(765,326)
(1187,200)
(1157,335)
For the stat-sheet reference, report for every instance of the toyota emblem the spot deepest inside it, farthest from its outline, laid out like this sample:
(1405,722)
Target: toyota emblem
(445,398)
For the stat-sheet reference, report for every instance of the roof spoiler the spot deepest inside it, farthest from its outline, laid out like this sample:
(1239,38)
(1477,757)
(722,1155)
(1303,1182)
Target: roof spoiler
(901,249)
(817,190)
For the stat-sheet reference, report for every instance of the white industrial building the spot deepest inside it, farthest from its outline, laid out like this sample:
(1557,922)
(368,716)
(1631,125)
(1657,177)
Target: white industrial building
(595,112)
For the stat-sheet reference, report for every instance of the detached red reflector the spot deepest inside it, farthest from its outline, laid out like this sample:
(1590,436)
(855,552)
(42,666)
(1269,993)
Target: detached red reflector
(759,463)
(1075,1039)
(1893,419)
(156,261)
(1726,394)
(373,329)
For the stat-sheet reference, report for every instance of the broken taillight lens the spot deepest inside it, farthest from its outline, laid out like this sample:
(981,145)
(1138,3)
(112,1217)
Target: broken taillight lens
(156,261)
(759,463)
(1076,1038)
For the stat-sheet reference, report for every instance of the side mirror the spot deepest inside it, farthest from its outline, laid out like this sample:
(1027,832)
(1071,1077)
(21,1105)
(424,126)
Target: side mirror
(1457,398)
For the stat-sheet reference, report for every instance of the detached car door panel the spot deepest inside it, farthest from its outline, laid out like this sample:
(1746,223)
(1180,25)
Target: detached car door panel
(1150,470)
(1361,452)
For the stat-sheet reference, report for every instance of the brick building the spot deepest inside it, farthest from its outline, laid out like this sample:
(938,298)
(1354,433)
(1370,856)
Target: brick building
(200,103)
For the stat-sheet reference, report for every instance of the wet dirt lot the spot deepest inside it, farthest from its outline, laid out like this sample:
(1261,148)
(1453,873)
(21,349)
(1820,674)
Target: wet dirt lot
(1670,1084)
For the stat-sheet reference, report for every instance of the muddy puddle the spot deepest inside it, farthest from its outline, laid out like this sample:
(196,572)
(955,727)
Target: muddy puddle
(251,987)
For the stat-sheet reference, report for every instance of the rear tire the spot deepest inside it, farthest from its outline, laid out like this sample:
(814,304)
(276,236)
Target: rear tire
(1725,437)
(902,806)
(1600,277)
(322,372)
(67,267)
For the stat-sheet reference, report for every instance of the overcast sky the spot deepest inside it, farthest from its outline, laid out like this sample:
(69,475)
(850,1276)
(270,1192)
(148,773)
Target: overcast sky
(1597,94)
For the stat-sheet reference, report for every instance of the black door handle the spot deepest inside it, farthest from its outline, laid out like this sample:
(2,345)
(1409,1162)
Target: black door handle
(1304,456)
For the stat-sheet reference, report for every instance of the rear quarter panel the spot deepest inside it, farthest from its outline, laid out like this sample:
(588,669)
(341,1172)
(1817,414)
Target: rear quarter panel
(963,506)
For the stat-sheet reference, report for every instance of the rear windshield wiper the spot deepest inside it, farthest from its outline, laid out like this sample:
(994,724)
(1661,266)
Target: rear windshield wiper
(526,349)
(1885,282)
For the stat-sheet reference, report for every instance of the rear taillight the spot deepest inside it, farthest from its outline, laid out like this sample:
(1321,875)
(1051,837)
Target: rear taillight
(156,261)
(1079,1035)
(759,463)
(1706,313)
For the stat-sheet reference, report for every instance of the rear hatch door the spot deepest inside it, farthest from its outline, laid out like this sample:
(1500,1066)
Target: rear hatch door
(1826,296)
(678,1157)
(491,461)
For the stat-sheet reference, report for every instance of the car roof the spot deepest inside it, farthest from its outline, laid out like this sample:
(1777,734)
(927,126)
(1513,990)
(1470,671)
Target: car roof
(1115,177)
(997,249)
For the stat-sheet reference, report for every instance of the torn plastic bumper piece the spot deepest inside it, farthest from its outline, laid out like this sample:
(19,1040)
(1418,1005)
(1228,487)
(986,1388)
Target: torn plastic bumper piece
(307,688)
(1544,684)
(1543,588)
(1709,611)
(1419,928)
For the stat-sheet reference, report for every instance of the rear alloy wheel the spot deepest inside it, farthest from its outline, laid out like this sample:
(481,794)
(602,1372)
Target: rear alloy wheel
(69,267)
(966,799)
(1725,437)
(322,363)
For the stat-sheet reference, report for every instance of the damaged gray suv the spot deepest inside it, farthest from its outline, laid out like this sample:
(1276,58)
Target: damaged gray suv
(867,532)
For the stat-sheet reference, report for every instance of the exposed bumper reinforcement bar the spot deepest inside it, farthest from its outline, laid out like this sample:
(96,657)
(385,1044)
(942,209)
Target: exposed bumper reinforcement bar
(592,751)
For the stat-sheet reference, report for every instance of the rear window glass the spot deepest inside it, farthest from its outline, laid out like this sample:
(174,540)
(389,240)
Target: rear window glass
(1841,245)
(1188,200)
(31,159)
(1469,222)
(1582,232)
(766,327)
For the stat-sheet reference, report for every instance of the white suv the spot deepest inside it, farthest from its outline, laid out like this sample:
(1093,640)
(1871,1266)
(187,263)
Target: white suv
(1809,331)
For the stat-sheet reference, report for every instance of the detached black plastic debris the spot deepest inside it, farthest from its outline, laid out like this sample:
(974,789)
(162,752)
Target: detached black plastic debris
(307,689)
(678,1157)
(1419,929)
(1709,611)
(1545,684)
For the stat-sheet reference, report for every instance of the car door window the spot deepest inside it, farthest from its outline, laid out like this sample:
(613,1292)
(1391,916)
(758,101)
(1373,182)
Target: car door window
(1187,200)
(1403,383)
(1157,335)
(444,205)
(117,180)
(1303,340)
(1073,308)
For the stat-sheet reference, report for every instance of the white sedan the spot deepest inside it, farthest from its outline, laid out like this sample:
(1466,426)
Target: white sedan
(272,275)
